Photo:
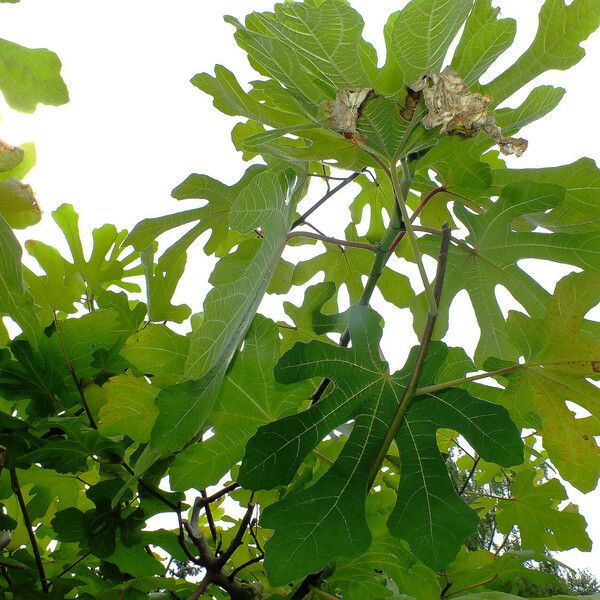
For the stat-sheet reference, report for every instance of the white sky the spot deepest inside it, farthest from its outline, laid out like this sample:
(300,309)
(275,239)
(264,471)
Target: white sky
(136,127)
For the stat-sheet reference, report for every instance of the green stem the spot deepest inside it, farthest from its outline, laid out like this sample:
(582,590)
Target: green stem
(409,392)
(331,240)
(409,230)
(381,258)
(430,389)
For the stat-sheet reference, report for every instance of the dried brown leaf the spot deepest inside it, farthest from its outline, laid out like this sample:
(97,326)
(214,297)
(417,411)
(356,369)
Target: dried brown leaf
(341,114)
(461,112)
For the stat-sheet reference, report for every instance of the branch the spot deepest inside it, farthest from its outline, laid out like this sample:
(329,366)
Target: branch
(420,360)
(209,517)
(331,240)
(411,234)
(463,487)
(470,587)
(396,225)
(14,484)
(414,216)
(438,387)
(324,199)
(71,369)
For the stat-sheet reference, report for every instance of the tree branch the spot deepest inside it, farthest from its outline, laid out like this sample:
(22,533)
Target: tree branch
(71,369)
(438,387)
(414,216)
(411,234)
(324,199)
(331,240)
(396,225)
(463,487)
(16,488)
(420,360)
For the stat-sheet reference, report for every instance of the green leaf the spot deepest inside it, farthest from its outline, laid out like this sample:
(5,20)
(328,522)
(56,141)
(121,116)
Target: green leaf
(491,258)
(15,302)
(347,267)
(533,510)
(415,47)
(329,517)
(30,77)
(105,265)
(129,408)
(428,512)
(18,205)
(228,311)
(27,162)
(59,289)
(10,157)
(484,39)
(556,45)
(161,280)
(387,566)
(577,212)
(249,397)
(214,216)
(157,352)
(555,372)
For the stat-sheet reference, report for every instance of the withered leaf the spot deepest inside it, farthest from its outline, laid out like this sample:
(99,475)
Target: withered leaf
(341,114)
(461,112)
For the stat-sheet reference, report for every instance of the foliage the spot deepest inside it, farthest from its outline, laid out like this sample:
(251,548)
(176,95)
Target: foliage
(292,441)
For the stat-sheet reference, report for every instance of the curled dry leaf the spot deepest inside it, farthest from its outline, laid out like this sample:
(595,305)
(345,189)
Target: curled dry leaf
(461,112)
(341,114)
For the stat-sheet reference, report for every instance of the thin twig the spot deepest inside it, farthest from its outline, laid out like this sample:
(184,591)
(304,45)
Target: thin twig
(438,387)
(414,216)
(246,564)
(411,235)
(73,564)
(463,487)
(324,199)
(470,587)
(71,370)
(239,536)
(16,488)
(331,240)
(209,517)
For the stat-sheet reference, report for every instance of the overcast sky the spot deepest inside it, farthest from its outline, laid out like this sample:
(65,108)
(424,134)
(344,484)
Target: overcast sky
(136,127)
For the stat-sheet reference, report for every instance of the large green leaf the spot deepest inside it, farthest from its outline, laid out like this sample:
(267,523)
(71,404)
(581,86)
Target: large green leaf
(533,508)
(579,211)
(556,45)
(30,77)
(329,517)
(267,202)
(249,397)
(428,512)
(490,258)
(106,264)
(484,38)
(556,371)
(414,45)
(214,216)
